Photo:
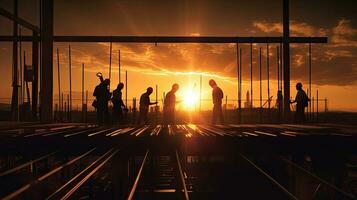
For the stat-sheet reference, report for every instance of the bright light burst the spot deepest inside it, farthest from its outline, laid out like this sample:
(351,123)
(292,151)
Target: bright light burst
(190,98)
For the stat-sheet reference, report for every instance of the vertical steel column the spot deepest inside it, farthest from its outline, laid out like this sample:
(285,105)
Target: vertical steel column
(286,55)
(47,61)
(35,76)
(15,89)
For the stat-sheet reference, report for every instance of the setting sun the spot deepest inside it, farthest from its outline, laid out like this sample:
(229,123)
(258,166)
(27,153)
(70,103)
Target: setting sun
(190,98)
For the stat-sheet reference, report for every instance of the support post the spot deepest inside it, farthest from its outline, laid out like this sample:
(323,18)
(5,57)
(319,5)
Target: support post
(126,88)
(240,86)
(83,109)
(310,90)
(35,77)
(200,92)
(47,61)
(15,89)
(317,105)
(260,85)
(59,80)
(119,66)
(110,60)
(70,82)
(251,76)
(286,55)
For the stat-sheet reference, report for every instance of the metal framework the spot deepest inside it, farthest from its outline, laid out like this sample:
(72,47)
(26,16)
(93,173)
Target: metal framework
(47,39)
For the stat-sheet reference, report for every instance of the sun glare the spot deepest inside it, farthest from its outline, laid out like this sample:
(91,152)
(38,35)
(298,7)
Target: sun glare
(190,98)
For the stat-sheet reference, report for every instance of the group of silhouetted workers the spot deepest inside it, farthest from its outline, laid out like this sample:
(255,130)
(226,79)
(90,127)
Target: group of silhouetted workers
(103,96)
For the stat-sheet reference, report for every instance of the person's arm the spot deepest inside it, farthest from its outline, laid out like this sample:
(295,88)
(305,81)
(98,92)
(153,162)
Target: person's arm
(152,103)
(293,101)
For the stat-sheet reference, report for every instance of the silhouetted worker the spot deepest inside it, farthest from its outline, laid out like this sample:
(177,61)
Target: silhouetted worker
(102,94)
(217,96)
(169,105)
(118,104)
(279,104)
(302,101)
(144,105)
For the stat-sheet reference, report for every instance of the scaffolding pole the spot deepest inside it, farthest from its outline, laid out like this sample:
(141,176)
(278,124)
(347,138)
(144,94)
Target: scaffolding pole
(70,81)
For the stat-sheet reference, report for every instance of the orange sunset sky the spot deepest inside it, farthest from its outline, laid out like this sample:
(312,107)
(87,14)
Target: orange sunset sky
(334,66)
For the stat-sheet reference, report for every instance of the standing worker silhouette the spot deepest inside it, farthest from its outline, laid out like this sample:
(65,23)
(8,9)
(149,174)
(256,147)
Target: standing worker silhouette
(144,105)
(302,101)
(169,105)
(217,96)
(102,94)
(118,104)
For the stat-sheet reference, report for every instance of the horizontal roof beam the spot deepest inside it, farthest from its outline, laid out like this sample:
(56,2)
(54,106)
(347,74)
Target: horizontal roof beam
(173,39)
(18,20)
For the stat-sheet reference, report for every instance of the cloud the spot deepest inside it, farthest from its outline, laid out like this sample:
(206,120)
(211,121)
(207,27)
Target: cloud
(343,34)
(296,28)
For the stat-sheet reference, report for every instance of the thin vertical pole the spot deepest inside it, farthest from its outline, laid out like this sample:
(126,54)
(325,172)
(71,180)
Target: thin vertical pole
(119,66)
(82,85)
(238,78)
(310,91)
(251,75)
(62,108)
(70,81)
(278,64)
(313,108)
(26,83)
(240,86)
(68,113)
(200,91)
(110,60)
(268,77)
(59,79)
(126,87)
(35,77)
(86,115)
(156,106)
(317,105)
(260,83)
(83,110)
(281,66)
(21,72)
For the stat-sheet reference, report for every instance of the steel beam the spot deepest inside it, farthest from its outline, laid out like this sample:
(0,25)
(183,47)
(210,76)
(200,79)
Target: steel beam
(18,20)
